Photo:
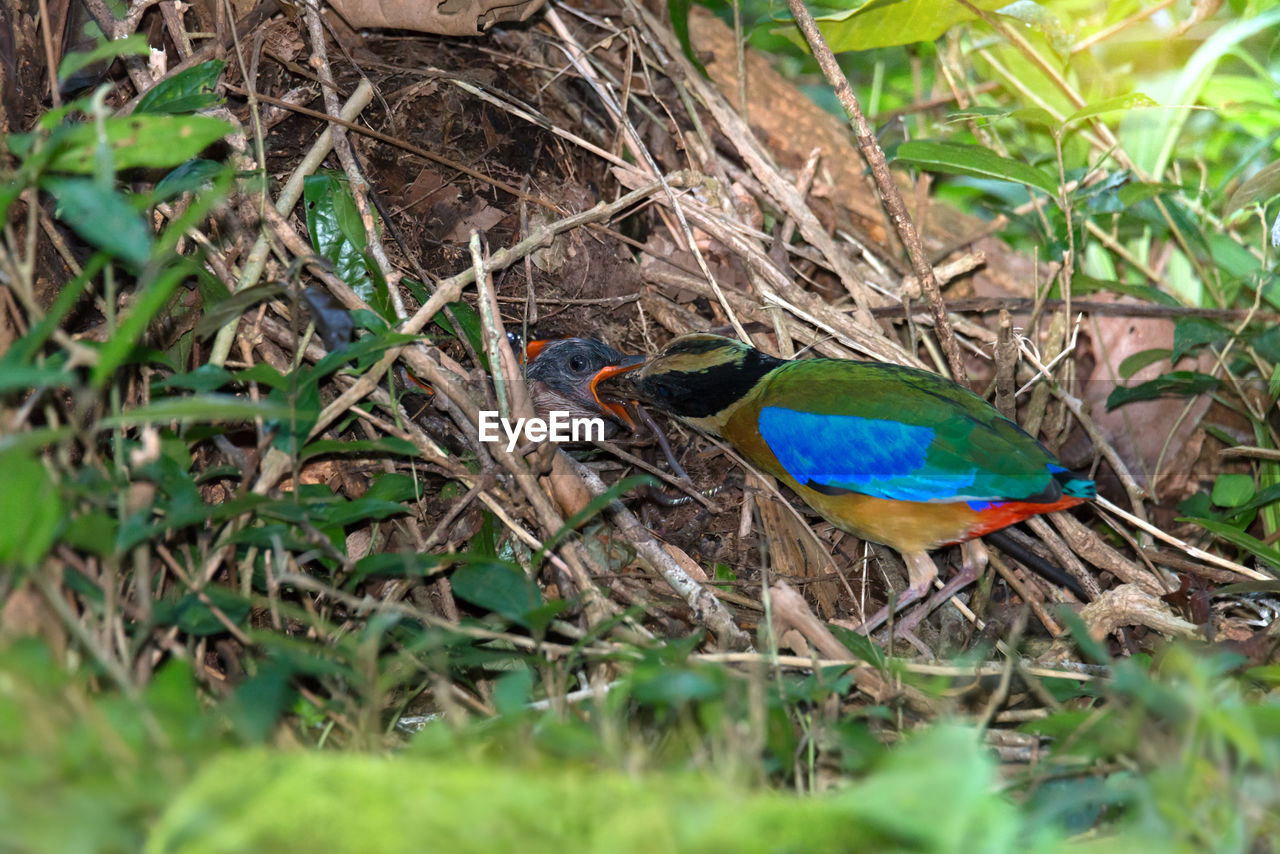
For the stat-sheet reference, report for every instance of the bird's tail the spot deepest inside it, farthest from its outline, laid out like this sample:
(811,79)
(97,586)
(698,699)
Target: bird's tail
(1049,571)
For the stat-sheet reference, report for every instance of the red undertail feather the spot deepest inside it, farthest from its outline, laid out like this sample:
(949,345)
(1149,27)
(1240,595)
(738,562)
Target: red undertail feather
(1002,514)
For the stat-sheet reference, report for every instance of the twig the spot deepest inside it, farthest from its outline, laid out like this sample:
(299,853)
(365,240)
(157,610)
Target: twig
(1182,544)
(289,196)
(707,609)
(759,161)
(346,156)
(641,152)
(1063,670)
(891,198)
(1119,26)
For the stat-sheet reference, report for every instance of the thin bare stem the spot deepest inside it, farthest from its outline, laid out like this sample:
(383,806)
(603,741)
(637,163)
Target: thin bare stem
(894,205)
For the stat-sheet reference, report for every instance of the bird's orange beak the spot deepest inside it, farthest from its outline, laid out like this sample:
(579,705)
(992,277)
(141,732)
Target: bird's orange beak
(629,363)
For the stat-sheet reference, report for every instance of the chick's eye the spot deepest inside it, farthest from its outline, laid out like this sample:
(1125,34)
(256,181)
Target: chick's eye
(664,391)
(578,364)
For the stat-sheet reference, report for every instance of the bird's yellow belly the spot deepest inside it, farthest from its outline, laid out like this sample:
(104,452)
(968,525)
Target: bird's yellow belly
(907,526)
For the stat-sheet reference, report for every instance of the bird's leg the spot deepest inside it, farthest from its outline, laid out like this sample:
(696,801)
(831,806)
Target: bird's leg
(921,571)
(663,444)
(973,562)
(973,556)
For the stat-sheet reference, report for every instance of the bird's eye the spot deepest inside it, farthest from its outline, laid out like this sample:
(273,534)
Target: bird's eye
(664,391)
(578,364)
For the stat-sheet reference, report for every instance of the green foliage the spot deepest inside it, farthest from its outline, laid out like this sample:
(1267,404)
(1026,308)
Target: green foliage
(103,217)
(86,772)
(934,794)
(961,159)
(154,141)
(338,234)
(678,10)
(1174,383)
(1202,738)
(30,503)
(134,45)
(185,92)
(867,24)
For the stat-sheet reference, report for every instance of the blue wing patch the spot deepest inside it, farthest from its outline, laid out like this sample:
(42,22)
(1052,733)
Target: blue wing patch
(870,456)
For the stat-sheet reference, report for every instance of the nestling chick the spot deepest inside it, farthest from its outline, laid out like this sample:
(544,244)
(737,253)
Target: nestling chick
(563,374)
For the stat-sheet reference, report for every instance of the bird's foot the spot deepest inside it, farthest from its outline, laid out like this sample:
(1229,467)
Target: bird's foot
(969,573)
(921,571)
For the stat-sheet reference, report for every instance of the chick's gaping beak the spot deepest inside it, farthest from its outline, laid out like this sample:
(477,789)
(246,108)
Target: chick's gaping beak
(628,363)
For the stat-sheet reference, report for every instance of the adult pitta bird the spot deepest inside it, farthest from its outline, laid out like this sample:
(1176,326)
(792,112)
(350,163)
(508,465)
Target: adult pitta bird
(891,454)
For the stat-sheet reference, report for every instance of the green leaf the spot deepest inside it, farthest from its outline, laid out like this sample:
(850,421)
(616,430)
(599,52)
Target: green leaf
(1035,116)
(1092,649)
(190,177)
(1258,189)
(30,377)
(860,645)
(194,616)
(366,346)
(32,441)
(1271,587)
(214,408)
(154,296)
(1248,543)
(1175,383)
(264,374)
(961,159)
(497,587)
(1134,101)
(1261,499)
(341,514)
(469,319)
(1232,490)
(407,564)
(224,311)
(512,691)
(677,686)
(203,378)
(594,506)
(103,217)
(93,532)
(30,506)
(184,92)
(883,23)
(393,486)
(1267,344)
(153,141)
(261,700)
(387,445)
(134,45)
(1150,138)
(1082,284)
(1192,332)
(679,12)
(338,234)
(1140,360)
